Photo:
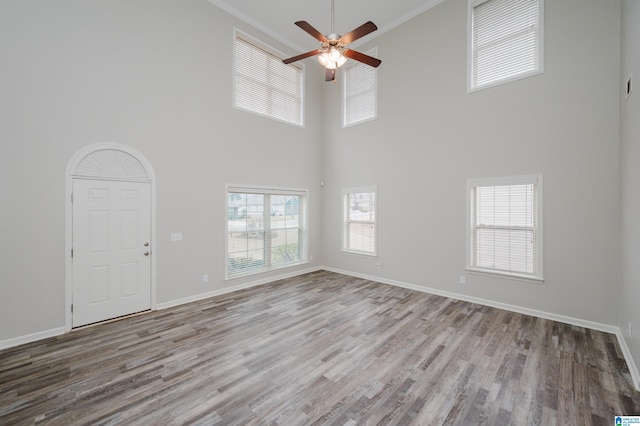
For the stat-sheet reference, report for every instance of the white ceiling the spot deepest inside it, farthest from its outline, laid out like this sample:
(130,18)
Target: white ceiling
(276,17)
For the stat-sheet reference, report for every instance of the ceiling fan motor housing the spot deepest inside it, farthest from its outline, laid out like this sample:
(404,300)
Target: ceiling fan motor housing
(333,39)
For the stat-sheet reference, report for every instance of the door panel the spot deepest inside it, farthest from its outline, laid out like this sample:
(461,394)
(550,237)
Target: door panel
(98,284)
(111,273)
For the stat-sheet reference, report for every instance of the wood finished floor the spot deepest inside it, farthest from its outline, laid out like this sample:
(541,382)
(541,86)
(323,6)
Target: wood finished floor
(321,348)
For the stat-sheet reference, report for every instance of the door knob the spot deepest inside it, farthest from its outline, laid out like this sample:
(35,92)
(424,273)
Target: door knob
(146,253)
(146,244)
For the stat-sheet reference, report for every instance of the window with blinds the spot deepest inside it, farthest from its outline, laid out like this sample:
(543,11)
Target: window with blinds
(265,230)
(505,41)
(505,217)
(359,92)
(264,85)
(359,224)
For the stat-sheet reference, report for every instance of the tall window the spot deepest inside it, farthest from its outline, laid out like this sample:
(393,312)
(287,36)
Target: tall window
(264,85)
(359,220)
(505,226)
(505,41)
(360,92)
(265,230)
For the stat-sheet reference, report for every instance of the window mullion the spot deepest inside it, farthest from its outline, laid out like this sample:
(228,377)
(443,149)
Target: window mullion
(267,230)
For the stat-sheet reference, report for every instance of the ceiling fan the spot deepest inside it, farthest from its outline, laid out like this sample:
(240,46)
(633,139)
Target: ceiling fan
(333,53)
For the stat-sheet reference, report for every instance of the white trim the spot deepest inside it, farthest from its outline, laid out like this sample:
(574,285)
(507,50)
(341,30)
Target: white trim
(262,189)
(237,33)
(345,215)
(371,52)
(224,5)
(506,180)
(267,190)
(535,179)
(429,4)
(28,338)
(255,24)
(626,352)
(633,370)
(470,5)
(231,289)
(485,302)
(71,169)
(505,275)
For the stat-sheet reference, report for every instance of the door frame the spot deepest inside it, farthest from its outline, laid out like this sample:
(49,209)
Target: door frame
(106,161)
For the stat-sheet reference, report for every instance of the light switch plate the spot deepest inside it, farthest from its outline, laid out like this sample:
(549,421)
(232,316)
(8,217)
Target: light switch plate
(176,236)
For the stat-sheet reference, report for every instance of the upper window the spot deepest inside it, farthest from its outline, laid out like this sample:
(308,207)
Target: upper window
(505,234)
(360,93)
(265,230)
(359,220)
(264,85)
(505,41)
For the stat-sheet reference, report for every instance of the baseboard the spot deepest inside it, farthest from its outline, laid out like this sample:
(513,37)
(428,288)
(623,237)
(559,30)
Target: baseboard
(225,290)
(626,352)
(633,370)
(28,338)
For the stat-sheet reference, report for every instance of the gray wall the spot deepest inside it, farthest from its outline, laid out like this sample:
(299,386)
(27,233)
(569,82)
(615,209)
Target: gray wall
(630,178)
(155,76)
(431,136)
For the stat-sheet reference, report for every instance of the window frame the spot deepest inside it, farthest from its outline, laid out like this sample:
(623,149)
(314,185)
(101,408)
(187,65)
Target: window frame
(471,4)
(536,179)
(266,217)
(344,245)
(238,34)
(372,52)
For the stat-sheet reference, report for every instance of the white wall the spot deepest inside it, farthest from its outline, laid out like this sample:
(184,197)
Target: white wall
(630,177)
(431,136)
(155,76)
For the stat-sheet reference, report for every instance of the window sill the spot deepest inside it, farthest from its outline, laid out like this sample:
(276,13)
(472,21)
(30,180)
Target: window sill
(506,275)
(361,253)
(264,270)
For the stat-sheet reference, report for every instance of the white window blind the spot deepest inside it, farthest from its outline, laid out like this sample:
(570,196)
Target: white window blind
(505,227)
(359,225)
(506,40)
(266,86)
(359,92)
(265,230)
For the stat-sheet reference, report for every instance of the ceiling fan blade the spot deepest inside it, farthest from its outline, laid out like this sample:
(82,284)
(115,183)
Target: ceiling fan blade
(366,59)
(361,31)
(314,33)
(329,74)
(302,56)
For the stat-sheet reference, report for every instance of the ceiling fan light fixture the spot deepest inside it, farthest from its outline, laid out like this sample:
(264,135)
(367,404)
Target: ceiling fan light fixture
(332,58)
(335,54)
(323,58)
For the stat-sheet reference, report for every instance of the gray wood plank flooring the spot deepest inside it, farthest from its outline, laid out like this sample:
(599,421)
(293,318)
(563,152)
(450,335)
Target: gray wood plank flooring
(320,348)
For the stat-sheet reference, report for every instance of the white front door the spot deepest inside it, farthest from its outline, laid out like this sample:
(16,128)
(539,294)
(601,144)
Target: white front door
(111,249)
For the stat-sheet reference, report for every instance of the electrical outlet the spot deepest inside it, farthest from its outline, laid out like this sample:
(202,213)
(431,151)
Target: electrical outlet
(310,258)
(630,330)
(463,279)
(205,278)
